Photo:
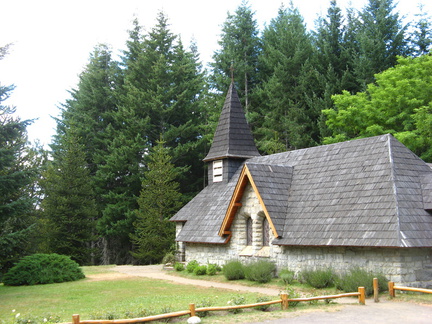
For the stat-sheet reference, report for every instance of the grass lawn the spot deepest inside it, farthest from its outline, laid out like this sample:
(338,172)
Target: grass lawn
(105,294)
(105,299)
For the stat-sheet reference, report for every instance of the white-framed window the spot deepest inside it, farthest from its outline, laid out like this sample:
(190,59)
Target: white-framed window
(217,171)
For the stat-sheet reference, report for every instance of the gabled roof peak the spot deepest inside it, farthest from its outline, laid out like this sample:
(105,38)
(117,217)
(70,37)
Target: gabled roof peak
(233,137)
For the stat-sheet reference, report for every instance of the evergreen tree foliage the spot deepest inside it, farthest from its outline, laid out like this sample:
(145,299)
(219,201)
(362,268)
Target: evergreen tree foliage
(90,110)
(86,118)
(160,95)
(381,37)
(17,176)
(334,51)
(69,206)
(288,116)
(239,49)
(159,199)
(422,35)
(399,103)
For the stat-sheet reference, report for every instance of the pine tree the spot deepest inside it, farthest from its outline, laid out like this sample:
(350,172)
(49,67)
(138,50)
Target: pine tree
(160,96)
(88,117)
(239,50)
(69,206)
(17,176)
(288,116)
(381,38)
(90,110)
(158,201)
(421,38)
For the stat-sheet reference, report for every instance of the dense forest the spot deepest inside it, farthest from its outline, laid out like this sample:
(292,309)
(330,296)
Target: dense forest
(129,144)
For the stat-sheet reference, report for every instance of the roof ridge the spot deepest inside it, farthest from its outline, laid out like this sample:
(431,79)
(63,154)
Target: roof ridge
(400,239)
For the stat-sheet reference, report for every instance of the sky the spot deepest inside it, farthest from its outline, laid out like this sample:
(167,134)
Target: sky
(52,40)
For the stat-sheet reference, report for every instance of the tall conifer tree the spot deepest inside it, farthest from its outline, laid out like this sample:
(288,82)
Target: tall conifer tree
(381,37)
(17,176)
(159,199)
(288,116)
(239,50)
(160,96)
(69,206)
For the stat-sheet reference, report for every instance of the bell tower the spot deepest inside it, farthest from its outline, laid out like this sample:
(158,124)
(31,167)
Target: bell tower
(233,142)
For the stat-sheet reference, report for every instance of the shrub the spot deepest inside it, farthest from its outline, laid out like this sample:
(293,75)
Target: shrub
(286,276)
(260,271)
(191,266)
(169,258)
(320,278)
(200,270)
(234,270)
(263,299)
(178,266)
(207,302)
(212,269)
(292,294)
(43,269)
(357,277)
(235,301)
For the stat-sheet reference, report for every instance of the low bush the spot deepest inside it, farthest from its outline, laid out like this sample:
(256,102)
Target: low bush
(260,271)
(212,269)
(236,301)
(357,277)
(320,278)
(169,258)
(43,269)
(263,299)
(191,266)
(206,302)
(292,294)
(234,270)
(200,270)
(286,276)
(178,266)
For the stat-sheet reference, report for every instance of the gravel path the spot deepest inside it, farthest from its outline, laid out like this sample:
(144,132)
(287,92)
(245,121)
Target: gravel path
(156,272)
(384,312)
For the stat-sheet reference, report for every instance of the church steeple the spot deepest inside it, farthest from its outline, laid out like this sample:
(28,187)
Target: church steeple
(233,141)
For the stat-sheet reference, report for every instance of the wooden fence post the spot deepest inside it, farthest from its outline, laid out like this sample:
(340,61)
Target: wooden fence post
(284,297)
(75,319)
(362,296)
(376,290)
(391,289)
(192,310)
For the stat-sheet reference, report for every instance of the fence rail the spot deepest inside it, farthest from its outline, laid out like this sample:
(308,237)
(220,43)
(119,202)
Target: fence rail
(393,288)
(284,301)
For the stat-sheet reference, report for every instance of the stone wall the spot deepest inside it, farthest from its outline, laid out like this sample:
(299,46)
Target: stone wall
(408,266)
(411,266)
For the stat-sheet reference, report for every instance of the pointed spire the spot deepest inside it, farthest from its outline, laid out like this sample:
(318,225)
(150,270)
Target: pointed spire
(233,137)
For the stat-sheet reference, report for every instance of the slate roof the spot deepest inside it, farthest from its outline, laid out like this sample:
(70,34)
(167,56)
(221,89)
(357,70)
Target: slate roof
(233,137)
(366,192)
(273,183)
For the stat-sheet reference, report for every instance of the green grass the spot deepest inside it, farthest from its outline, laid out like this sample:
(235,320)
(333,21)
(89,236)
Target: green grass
(119,298)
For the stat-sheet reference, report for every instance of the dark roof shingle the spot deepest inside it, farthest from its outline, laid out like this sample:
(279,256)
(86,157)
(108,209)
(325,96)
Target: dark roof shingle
(366,192)
(233,137)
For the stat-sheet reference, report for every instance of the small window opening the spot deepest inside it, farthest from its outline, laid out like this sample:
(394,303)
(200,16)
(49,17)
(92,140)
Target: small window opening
(249,231)
(266,232)
(217,171)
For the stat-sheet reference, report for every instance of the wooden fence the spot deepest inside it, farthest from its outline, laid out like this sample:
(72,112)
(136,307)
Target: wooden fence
(392,289)
(284,301)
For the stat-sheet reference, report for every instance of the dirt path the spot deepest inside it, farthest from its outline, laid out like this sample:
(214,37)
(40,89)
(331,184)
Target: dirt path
(156,272)
(350,312)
